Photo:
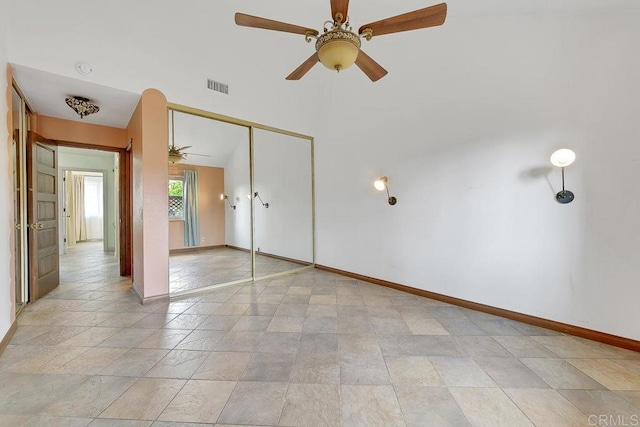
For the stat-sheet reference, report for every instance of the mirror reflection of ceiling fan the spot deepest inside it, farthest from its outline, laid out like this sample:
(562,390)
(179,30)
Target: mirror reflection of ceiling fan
(338,47)
(176,154)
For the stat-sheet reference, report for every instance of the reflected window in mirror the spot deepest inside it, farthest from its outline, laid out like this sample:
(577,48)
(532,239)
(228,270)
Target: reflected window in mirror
(176,192)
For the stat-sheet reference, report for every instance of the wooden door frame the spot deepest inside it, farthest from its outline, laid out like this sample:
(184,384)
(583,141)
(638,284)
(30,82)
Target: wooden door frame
(126,256)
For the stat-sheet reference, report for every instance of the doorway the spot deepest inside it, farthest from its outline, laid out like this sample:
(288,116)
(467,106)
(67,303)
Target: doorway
(89,217)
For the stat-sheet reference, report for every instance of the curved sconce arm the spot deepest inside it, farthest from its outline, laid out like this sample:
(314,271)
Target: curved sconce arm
(266,205)
(381,184)
(225,197)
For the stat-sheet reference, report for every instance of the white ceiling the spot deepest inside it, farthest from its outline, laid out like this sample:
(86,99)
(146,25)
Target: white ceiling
(85,152)
(215,139)
(46,93)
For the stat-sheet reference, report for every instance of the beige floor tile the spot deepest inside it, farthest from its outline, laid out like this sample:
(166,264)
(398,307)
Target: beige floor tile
(91,361)
(145,400)
(120,423)
(364,405)
(489,407)
(49,421)
(632,397)
(324,325)
(524,346)
(178,364)
(223,366)
(47,361)
(312,368)
(134,363)
(567,347)
(286,324)
(199,401)
(242,341)
(510,372)
(547,408)
(311,405)
(461,372)
(363,369)
(220,323)
(318,343)
(202,340)
(424,326)
(254,403)
(608,373)
(33,397)
(127,338)
(358,344)
(429,406)
(14,420)
(91,398)
(252,323)
(412,371)
(269,367)
(164,339)
(601,402)
(632,365)
(560,374)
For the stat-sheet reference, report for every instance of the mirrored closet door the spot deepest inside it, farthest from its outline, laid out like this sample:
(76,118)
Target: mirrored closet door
(240,201)
(283,198)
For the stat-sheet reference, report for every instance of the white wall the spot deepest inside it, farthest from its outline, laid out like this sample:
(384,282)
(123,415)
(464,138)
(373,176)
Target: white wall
(464,127)
(100,161)
(6,199)
(282,176)
(237,186)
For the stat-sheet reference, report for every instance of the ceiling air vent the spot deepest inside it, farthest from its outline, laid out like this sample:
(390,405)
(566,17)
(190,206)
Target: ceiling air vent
(217,86)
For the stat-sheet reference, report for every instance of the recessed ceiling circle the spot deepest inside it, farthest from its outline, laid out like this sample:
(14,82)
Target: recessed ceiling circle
(84,68)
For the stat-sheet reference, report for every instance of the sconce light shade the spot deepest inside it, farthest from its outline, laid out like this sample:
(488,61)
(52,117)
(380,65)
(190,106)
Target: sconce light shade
(381,184)
(563,158)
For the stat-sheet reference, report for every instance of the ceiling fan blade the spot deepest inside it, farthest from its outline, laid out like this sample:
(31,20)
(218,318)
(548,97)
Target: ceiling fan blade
(339,6)
(371,68)
(268,24)
(428,17)
(196,154)
(183,148)
(304,68)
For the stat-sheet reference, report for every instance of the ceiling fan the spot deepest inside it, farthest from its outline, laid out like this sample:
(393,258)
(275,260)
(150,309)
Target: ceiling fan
(338,47)
(176,154)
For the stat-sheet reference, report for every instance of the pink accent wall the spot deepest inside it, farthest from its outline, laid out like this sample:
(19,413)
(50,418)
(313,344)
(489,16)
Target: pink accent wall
(84,133)
(210,207)
(150,217)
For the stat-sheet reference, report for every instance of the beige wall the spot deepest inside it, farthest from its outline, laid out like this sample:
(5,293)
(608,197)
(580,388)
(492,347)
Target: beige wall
(84,133)
(210,207)
(150,211)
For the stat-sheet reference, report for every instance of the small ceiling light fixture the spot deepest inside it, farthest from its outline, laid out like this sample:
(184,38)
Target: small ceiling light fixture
(225,197)
(561,159)
(84,68)
(266,205)
(81,105)
(381,184)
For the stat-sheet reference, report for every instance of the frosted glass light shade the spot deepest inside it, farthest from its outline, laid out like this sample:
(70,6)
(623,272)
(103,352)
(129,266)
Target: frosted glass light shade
(381,183)
(563,158)
(338,54)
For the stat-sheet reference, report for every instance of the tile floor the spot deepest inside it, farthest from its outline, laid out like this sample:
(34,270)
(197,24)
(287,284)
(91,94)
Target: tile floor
(308,349)
(194,270)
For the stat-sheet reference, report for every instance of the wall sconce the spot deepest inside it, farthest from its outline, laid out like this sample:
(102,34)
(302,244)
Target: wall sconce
(563,158)
(381,184)
(225,197)
(266,205)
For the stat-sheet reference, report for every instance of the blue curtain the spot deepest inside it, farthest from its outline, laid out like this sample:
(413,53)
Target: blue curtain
(190,203)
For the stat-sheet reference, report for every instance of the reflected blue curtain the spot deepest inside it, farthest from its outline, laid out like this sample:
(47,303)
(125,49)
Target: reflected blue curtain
(190,204)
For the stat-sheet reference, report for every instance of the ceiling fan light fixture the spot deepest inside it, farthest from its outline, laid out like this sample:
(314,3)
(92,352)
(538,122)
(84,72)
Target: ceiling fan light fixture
(175,157)
(82,106)
(338,49)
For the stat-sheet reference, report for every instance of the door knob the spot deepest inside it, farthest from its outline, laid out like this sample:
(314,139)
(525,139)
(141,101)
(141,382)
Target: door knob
(37,225)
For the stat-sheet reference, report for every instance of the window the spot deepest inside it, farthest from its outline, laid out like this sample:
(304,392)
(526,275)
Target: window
(176,188)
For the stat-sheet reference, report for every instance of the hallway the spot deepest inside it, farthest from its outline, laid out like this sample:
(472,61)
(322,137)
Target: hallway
(312,348)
